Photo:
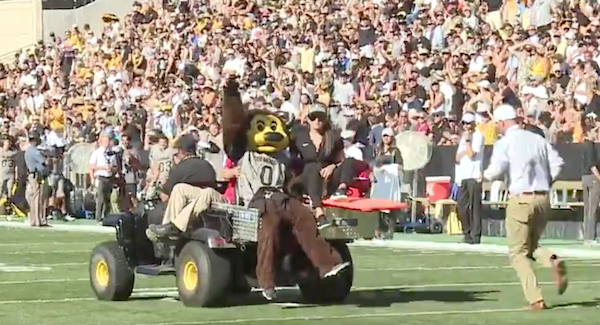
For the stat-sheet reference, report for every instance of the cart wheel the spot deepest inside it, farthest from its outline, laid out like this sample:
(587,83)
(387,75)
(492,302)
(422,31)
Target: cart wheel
(437,228)
(111,277)
(334,289)
(203,276)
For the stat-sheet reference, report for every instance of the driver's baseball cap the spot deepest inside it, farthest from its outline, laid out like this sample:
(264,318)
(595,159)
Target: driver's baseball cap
(186,143)
(504,112)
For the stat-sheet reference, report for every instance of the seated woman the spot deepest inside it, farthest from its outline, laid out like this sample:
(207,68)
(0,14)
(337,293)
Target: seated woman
(387,152)
(320,150)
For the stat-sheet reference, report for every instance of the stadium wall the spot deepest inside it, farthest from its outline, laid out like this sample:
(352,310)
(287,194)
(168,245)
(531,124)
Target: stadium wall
(20,26)
(59,16)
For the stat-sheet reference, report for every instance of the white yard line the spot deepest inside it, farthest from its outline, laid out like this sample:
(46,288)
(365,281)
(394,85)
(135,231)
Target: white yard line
(23,244)
(45,252)
(465,248)
(353,316)
(457,268)
(172,290)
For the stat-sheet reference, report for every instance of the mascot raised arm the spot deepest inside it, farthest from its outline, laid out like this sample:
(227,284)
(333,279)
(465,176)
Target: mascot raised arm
(257,142)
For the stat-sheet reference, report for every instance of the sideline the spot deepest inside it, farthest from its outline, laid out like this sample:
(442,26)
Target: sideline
(460,247)
(399,244)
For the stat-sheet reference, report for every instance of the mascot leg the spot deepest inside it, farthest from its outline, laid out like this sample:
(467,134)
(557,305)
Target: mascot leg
(318,251)
(268,241)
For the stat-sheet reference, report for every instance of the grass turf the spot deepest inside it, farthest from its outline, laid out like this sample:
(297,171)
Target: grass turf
(392,286)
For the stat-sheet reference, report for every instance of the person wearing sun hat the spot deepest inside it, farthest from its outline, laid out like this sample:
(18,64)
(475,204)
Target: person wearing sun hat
(468,175)
(532,165)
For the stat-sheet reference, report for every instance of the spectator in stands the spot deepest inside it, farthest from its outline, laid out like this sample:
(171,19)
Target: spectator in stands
(417,67)
(387,152)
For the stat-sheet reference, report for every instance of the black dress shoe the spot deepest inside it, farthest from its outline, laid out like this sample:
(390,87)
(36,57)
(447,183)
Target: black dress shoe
(467,241)
(323,222)
(164,230)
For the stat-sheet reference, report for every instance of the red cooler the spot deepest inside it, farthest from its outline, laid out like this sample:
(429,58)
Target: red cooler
(438,188)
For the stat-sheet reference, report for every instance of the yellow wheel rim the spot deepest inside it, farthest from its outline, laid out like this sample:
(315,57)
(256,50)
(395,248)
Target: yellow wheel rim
(102,274)
(190,276)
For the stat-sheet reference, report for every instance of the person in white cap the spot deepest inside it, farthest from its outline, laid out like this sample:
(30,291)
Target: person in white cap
(468,176)
(351,148)
(532,165)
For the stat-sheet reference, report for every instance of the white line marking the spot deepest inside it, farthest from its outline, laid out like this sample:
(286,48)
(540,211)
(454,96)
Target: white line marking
(172,292)
(21,268)
(136,294)
(46,252)
(42,281)
(44,244)
(458,268)
(354,316)
(561,250)
(60,264)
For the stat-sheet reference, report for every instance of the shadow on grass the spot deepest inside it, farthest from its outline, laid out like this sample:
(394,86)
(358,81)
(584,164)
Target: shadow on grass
(362,298)
(387,297)
(579,304)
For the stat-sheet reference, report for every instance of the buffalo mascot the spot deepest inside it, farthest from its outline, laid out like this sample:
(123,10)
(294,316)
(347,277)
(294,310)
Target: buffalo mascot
(257,141)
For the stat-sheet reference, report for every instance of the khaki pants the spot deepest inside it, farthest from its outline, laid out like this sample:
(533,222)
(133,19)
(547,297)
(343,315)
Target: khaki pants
(526,217)
(37,206)
(186,201)
(494,19)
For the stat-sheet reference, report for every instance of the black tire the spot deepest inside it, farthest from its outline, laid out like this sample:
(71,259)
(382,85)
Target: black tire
(203,276)
(111,277)
(333,289)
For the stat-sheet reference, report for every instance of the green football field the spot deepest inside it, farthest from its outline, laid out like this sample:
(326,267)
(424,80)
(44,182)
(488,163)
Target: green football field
(44,281)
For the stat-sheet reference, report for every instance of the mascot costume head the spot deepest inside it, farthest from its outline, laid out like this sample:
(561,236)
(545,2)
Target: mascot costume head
(250,130)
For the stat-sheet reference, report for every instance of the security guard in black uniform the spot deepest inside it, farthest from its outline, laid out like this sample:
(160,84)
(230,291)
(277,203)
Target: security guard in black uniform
(189,169)
(37,174)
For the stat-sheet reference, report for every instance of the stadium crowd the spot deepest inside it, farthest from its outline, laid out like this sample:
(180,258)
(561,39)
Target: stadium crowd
(377,67)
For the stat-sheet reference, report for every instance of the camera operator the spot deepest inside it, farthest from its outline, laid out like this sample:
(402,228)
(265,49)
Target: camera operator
(38,172)
(102,171)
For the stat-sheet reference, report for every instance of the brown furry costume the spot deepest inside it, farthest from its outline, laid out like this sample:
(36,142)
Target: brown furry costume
(279,209)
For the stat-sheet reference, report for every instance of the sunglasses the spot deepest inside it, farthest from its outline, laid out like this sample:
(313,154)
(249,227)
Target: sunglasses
(319,116)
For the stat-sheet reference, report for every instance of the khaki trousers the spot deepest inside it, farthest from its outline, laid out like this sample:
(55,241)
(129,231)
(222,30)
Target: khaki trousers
(526,217)
(37,206)
(187,201)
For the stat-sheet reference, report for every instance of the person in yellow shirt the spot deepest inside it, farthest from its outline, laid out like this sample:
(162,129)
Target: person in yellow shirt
(56,115)
(486,126)
(540,62)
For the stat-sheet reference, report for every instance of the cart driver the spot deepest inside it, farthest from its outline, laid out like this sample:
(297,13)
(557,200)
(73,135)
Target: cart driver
(192,178)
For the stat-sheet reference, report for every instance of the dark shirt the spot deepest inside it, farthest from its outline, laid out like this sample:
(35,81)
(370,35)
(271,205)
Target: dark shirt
(534,129)
(494,5)
(593,106)
(303,148)
(589,159)
(509,97)
(21,165)
(194,171)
